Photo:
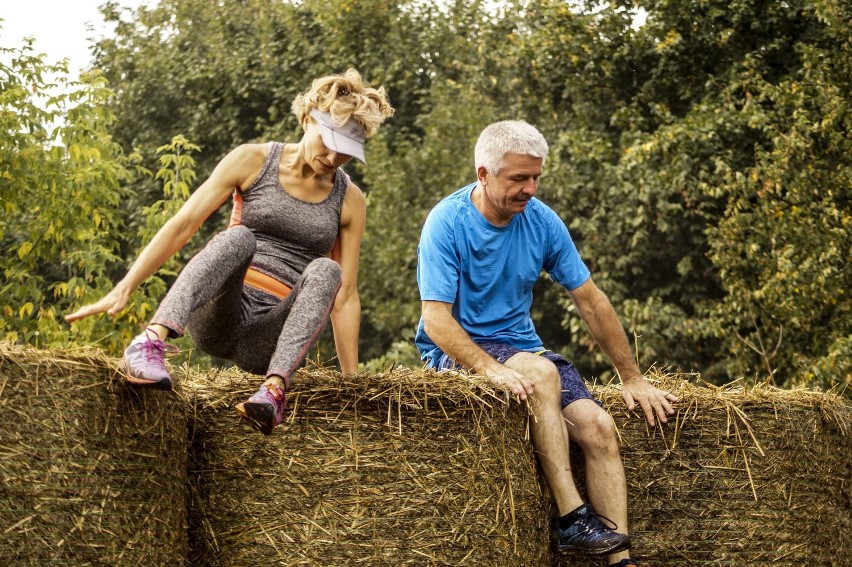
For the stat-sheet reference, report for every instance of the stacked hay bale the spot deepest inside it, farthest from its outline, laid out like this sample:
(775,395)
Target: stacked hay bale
(92,472)
(406,467)
(741,476)
(402,468)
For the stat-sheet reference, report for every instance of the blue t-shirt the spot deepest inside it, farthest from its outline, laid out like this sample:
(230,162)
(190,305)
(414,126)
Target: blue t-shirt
(487,272)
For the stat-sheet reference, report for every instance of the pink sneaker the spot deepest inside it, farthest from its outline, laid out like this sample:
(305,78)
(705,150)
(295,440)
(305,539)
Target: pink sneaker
(265,409)
(144,361)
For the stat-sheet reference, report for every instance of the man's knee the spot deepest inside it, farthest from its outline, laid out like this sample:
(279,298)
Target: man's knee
(591,426)
(542,372)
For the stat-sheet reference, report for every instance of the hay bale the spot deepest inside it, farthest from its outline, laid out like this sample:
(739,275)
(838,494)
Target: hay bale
(407,467)
(92,472)
(742,476)
(402,468)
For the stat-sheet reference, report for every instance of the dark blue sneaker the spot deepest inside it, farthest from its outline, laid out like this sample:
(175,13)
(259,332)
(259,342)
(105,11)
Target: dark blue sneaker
(626,563)
(589,535)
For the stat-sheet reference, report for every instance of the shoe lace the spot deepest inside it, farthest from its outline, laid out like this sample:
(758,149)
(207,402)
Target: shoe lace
(276,393)
(595,522)
(155,350)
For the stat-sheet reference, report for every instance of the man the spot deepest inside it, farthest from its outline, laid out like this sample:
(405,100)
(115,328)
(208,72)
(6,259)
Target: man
(481,251)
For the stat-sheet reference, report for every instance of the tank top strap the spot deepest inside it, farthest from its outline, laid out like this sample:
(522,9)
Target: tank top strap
(273,160)
(270,167)
(338,190)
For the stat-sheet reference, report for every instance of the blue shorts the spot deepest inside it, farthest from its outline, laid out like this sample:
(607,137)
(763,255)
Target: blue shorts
(573,386)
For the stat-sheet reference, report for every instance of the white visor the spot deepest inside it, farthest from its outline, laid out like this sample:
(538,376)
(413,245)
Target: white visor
(347,139)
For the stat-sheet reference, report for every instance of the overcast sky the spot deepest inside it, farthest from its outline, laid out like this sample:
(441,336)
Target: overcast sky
(60,27)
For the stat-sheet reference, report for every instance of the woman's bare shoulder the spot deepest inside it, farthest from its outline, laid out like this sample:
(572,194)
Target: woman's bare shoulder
(243,163)
(251,152)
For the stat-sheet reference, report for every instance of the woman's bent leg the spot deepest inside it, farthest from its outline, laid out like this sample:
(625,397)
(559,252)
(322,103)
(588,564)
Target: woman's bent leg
(206,297)
(276,342)
(214,275)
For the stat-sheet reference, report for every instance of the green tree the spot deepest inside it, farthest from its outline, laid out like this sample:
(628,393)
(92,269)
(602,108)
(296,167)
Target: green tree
(784,244)
(61,178)
(661,129)
(686,153)
(756,144)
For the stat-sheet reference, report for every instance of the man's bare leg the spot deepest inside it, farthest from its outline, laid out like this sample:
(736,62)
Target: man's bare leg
(592,428)
(549,434)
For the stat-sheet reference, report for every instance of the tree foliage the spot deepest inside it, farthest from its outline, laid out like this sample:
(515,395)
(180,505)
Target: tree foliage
(679,147)
(61,178)
(699,155)
(64,188)
(784,242)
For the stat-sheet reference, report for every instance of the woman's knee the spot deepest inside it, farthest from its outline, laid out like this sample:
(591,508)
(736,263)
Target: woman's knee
(325,269)
(241,240)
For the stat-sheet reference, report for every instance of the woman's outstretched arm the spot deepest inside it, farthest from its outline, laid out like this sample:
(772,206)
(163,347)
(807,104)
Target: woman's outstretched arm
(237,169)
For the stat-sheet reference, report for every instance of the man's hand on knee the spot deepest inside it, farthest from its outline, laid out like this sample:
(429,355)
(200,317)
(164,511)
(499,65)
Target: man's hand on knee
(517,383)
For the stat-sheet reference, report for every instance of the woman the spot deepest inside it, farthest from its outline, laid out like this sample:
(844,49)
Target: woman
(260,293)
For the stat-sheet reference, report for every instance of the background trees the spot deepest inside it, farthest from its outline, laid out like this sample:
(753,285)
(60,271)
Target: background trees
(61,179)
(701,159)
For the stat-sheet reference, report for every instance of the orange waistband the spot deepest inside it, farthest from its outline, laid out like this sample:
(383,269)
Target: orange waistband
(264,282)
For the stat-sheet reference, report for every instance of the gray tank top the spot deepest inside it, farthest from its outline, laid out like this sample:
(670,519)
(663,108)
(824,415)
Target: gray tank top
(290,233)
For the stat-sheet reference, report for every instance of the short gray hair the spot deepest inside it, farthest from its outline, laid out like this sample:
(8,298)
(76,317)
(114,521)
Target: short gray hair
(507,136)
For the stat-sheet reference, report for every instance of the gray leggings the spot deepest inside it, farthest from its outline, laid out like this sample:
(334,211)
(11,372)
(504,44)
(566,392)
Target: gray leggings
(257,331)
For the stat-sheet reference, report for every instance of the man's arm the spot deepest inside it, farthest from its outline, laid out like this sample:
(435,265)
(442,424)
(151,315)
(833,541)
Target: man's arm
(600,317)
(451,338)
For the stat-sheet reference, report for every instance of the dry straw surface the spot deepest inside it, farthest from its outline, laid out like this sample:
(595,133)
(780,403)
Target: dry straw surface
(401,468)
(741,476)
(92,472)
(407,467)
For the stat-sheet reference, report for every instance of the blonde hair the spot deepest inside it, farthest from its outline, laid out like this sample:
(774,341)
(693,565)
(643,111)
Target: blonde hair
(345,96)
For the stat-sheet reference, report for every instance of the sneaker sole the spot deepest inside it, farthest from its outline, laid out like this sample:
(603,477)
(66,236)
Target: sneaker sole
(595,552)
(164,384)
(259,416)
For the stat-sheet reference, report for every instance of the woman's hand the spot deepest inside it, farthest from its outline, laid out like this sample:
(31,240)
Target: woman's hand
(112,303)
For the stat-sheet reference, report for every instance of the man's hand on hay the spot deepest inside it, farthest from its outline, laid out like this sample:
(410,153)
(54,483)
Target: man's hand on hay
(651,399)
